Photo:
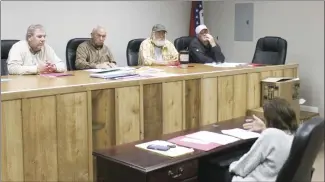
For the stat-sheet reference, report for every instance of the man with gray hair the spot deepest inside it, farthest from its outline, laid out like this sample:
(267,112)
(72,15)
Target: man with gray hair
(33,55)
(93,53)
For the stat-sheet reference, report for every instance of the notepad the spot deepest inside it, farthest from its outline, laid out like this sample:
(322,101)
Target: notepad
(172,152)
(241,133)
(213,137)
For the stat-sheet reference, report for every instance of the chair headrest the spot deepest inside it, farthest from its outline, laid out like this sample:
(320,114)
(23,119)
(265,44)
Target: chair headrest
(5,47)
(182,43)
(272,43)
(134,44)
(74,43)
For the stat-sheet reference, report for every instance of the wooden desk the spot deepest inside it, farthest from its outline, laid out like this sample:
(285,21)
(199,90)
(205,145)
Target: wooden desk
(46,127)
(125,162)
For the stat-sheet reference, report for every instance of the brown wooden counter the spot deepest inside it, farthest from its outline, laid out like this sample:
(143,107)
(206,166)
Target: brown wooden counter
(50,126)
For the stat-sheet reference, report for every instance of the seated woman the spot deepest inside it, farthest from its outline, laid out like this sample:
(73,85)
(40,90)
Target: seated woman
(268,154)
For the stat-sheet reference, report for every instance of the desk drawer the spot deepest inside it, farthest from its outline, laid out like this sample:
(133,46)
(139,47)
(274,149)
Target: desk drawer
(175,173)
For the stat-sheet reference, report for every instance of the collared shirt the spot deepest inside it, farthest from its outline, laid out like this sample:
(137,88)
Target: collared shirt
(22,60)
(200,53)
(147,53)
(88,56)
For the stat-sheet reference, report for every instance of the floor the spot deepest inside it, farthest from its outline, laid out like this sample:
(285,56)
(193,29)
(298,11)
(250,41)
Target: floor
(319,167)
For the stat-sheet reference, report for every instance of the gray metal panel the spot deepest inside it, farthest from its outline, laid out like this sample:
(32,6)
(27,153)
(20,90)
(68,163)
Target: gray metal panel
(244,21)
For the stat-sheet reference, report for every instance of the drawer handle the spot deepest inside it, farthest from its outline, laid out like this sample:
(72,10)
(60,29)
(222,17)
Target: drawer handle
(179,173)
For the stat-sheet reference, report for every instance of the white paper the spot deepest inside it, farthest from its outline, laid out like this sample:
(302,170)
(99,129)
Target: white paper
(172,152)
(109,69)
(241,133)
(302,101)
(213,137)
(225,64)
(193,140)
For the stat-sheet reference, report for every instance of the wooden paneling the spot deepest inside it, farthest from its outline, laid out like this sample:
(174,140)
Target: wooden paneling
(225,97)
(11,142)
(266,74)
(192,103)
(289,72)
(240,95)
(72,126)
(40,139)
(209,101)
(277,73)
(127,112)
(103,116)
(253,90)
(152,107)
(172,107)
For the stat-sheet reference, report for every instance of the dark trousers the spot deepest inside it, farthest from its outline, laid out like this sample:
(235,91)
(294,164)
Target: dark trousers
(214,173)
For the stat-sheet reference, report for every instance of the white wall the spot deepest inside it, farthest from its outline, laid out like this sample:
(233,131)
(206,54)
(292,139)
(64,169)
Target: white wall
(301,23)
(124,20)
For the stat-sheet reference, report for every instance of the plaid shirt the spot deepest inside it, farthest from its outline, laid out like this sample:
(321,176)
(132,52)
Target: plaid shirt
(147,53)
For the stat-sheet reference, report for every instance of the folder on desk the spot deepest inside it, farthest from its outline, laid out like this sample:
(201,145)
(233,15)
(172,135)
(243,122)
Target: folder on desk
(194,143)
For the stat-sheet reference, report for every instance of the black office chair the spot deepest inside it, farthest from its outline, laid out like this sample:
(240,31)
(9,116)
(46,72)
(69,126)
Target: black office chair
(305,147)
(271,51)
(5,48)
(182,43)
(132,51)
(70,52)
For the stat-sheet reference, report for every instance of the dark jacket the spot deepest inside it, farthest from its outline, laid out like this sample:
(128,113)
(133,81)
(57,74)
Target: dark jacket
(204,54)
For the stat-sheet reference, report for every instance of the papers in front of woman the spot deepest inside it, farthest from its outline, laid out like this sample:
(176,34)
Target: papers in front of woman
(241,133)
(208,136)
(172,152)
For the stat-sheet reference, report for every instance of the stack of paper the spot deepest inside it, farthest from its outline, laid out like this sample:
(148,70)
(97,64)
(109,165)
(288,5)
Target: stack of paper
(241,133)
(213,137)
(226,64)
(113,74)
(172,152)
(109,69)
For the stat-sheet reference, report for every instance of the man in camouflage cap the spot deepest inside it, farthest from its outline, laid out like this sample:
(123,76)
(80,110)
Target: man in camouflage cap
(157,50)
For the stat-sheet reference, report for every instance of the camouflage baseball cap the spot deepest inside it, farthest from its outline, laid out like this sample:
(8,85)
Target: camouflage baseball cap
(159,27)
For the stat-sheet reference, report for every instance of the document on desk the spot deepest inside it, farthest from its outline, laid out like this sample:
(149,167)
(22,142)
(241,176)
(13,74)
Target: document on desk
(226,64)
(213,137)
(172,152)
(241,133)
(194,143)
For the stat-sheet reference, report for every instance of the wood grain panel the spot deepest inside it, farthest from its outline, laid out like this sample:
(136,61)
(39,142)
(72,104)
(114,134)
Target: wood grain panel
(265,74)
(72,124)
(296,72)
(240,95)
(11,142)
(209,100)
(172,107)
(225,97)
(127,112)
(192,103)
(103,115)
(277,73)
(253,90)
(288,72)
(152,106)
(40,139)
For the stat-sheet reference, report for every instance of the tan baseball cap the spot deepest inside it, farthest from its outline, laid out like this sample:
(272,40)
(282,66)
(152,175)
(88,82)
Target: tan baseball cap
(159,27)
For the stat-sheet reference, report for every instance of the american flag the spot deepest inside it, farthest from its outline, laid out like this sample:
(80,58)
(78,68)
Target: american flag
(196,16)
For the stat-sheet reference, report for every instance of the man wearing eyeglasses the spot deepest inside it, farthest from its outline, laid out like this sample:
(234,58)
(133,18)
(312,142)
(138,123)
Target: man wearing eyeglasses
(157,50)
(94,53)
(203,48)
